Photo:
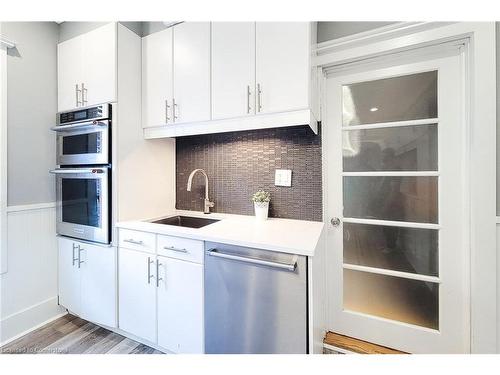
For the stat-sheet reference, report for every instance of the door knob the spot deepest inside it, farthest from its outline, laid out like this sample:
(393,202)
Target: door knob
(335,221)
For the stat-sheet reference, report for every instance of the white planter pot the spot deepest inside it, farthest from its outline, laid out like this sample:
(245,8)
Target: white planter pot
(261,210)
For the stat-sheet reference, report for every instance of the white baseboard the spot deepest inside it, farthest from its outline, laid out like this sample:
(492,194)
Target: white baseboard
(16,325)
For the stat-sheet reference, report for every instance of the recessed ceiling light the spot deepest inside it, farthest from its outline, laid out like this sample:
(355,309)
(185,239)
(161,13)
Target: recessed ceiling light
(374,109)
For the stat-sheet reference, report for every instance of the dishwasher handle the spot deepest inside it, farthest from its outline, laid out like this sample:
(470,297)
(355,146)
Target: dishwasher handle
(282,266)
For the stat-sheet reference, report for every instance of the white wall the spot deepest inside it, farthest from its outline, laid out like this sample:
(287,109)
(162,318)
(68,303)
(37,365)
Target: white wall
(28,290)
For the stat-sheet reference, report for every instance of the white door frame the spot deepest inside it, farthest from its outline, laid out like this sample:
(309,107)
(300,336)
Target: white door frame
(480,110)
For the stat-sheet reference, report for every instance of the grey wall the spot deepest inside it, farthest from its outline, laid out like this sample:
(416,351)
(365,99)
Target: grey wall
(240,163)
(335,30)
(70,29)
(31,106)
(497,25)
(152,27)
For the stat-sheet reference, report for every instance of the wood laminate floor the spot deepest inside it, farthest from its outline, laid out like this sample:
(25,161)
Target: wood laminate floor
(72,335)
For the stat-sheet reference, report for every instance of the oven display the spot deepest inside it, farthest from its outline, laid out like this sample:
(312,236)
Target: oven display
(84,114)
(80,115)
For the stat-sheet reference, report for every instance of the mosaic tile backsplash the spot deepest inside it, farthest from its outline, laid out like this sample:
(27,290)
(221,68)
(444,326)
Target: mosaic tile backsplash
(240,163)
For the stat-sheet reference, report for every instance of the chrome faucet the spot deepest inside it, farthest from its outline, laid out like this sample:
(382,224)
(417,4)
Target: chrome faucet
(207,202)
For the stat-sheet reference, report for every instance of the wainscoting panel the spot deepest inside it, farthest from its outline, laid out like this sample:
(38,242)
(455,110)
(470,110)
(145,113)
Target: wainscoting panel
(29,287)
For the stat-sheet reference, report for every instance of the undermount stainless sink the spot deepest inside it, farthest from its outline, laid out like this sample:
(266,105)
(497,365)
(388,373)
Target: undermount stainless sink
(186,221)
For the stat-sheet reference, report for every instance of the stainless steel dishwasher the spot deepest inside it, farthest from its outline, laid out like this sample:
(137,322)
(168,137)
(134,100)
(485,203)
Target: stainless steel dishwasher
(255,301)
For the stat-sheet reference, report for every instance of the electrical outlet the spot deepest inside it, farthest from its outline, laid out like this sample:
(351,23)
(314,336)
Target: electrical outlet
(283,177)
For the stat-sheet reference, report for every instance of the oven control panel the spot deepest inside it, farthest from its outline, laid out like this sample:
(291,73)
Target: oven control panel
(98,112)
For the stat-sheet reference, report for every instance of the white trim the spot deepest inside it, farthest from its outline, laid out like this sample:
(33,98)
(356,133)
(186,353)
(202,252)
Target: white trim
(382,271)
(498,219)
(6,42)
(389,223)
(480,107)
(337,349)
(384,32)
(260,121)
(3,160)
(50,320)
(392,173)
(393,124)
(31,207)
(21,322)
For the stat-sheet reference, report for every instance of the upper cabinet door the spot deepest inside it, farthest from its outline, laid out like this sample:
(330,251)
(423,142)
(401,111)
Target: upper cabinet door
(157,85)
(99,65)
(282,66)
(99,289)
(233,69)
(69,74)
(192,72)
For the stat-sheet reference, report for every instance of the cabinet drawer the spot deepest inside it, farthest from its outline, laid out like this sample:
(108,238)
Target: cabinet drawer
(181,248)
(135,240)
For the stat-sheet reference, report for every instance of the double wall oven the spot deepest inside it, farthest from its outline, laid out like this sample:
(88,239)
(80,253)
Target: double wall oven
(83,176)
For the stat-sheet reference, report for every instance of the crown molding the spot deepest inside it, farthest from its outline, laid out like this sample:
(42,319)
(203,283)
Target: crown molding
(6,42)
(380,33)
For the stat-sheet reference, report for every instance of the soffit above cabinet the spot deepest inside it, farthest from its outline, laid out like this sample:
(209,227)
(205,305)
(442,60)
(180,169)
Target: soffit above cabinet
(274,120)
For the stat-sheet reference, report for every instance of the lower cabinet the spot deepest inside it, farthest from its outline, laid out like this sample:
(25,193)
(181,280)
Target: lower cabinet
(161,296)
(180,306)
(137,293)
(87,280)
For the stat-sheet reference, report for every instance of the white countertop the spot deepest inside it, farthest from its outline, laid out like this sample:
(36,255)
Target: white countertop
(283,235)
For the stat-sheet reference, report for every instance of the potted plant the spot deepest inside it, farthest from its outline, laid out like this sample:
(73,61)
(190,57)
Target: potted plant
(261,204)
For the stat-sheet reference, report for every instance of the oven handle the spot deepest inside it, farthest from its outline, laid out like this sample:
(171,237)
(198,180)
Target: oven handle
(88,124)
(77,170)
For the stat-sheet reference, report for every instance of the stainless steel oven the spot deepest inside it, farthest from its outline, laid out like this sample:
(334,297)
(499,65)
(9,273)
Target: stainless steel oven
(83,136)
(83,202)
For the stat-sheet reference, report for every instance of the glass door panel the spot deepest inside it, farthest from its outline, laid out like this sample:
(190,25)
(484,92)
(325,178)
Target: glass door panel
(378,185)
(407,97)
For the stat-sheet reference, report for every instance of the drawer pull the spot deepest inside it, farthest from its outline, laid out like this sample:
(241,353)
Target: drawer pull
(175,249)
(135,242)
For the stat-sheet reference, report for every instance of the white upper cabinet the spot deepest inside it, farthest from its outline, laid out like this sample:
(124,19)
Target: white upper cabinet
(86,68)
(191,72)
(282,66)
(233,69)
(69,74)
(99,65)
(157,78)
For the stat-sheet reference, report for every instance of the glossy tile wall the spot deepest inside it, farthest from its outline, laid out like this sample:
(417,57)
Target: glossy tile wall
(240,163)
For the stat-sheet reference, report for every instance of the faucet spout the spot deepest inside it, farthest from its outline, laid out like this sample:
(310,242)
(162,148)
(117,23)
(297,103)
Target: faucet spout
(207,204)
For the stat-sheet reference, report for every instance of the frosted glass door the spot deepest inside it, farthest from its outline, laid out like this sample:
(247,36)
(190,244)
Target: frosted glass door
(395,182)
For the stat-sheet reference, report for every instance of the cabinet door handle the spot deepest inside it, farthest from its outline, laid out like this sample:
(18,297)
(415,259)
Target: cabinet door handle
(175,249)
(248,100)
(135,242)
(174,106)
(149,270)
(166,111)
(259,99)
(84,96)
(158,278)
(77,90)
(74,259)
(80,261)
